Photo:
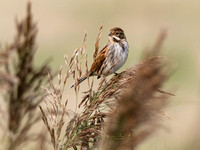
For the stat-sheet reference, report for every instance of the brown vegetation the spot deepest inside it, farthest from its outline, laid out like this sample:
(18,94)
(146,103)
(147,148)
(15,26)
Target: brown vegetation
(21,82)
(130,99)
(118,114)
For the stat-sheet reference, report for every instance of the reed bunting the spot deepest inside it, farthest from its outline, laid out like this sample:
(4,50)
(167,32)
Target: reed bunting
(111,58)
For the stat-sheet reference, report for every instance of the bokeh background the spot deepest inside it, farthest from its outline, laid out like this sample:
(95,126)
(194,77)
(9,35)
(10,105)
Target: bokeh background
(62,25)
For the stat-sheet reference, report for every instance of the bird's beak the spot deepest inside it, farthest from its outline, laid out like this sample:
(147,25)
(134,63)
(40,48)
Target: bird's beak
(110,34)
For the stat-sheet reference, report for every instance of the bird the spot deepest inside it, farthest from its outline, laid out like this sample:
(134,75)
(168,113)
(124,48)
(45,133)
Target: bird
(111,58)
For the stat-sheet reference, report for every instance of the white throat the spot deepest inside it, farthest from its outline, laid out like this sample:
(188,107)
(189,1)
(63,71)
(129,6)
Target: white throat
(116,38)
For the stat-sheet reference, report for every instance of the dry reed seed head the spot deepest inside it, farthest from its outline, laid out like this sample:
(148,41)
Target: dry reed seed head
(83,45)
(60,75)
(60,124)
(136,104)
(76,52)
(51,83)
(84,99)
(68,71)
(47,108)
(54,96)
(71,62)
(21,94)
(66,77)
(66,60)
(97,42)
(79,71)
(44,118)
(86,64)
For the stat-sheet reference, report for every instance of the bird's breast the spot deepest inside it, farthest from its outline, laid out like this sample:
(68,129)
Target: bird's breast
(116,56)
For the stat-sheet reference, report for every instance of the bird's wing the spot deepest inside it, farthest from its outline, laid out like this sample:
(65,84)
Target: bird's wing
(96,66)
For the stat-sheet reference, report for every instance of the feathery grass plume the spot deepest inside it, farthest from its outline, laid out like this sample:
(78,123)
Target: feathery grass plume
(133,119)
(97,42)
(55,114)
(83,127)
(24,81)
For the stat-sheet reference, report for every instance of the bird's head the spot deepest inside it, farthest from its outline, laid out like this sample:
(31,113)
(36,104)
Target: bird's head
(116,34)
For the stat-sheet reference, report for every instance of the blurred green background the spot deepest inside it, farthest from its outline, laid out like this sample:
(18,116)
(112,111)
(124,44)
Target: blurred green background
(62,25)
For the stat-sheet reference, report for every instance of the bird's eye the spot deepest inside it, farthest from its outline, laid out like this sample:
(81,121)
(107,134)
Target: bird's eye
(117,33)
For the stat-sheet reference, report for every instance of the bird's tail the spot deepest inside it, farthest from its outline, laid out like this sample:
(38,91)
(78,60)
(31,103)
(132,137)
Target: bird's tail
(80,80)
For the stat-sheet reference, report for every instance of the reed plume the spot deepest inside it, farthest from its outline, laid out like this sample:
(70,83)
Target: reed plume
(22,82)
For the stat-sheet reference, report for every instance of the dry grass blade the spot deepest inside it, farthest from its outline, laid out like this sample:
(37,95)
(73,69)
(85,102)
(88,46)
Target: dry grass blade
(83,45)
(97,42)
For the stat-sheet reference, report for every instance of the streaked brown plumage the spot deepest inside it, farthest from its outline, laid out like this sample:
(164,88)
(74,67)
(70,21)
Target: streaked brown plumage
(111,58)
